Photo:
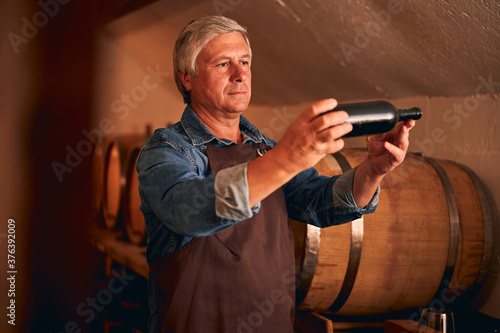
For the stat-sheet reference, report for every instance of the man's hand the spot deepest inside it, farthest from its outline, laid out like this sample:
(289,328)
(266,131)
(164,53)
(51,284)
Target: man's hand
(312,136)
(387,151)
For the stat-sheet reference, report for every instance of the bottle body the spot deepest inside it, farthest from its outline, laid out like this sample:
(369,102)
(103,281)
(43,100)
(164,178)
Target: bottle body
(375,117)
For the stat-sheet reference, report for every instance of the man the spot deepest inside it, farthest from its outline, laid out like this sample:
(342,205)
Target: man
(216,198)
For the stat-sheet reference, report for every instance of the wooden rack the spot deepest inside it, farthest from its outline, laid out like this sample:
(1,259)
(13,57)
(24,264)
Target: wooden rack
(125,253)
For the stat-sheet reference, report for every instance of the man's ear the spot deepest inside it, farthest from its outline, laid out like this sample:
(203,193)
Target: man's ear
(186,80)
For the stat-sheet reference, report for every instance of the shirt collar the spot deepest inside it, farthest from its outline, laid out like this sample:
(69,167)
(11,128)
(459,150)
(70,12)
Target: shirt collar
(200,134)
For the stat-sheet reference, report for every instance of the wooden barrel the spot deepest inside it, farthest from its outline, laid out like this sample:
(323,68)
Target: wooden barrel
(117,160)
(97,181)
(135,227)
(97,178)
(430,239)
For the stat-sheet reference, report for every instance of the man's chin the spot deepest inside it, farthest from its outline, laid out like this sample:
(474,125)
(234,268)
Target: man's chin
(239,107)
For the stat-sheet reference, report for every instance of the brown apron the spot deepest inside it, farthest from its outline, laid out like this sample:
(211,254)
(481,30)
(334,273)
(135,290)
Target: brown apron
(241,279)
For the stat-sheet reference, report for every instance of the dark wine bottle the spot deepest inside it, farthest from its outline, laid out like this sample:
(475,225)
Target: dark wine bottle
(375,117)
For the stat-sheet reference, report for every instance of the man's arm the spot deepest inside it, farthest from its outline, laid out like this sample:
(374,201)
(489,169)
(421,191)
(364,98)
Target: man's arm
(309,138)
(182,200)
(314,135)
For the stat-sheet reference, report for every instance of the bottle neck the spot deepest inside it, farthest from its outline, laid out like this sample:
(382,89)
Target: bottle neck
(411,113)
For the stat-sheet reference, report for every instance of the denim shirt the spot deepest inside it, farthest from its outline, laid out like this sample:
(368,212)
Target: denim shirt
(182,199)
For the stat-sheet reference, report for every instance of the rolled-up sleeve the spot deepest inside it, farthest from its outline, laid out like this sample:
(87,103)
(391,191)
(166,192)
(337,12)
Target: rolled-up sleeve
(343,195)
(324,201)
(231,193)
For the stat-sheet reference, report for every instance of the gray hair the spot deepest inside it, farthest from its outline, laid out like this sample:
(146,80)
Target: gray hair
(193,38)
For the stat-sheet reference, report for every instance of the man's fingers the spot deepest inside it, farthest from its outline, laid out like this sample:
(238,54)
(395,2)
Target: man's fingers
(395,151)
(320,107)
(334,132)
(409,124)
(329,119)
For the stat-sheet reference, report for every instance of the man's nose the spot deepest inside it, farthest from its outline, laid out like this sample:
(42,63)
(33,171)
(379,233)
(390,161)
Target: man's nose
(239,73)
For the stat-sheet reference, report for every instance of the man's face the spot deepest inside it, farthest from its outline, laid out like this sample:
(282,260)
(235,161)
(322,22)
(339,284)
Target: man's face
(223,81)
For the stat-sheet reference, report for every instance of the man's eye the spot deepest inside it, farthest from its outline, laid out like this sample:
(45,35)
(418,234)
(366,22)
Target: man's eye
(224,64)
(245,63)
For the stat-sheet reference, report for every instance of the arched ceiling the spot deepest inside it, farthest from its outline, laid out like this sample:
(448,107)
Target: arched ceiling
(353,49)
